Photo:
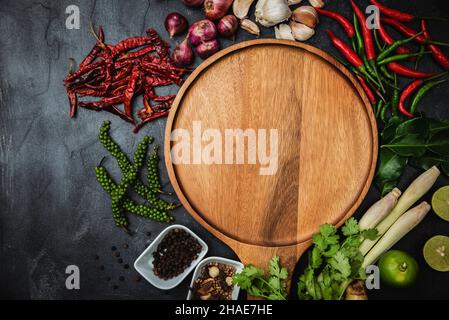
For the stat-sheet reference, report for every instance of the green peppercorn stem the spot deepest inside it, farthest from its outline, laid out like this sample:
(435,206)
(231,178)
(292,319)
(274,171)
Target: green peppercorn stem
(145,211)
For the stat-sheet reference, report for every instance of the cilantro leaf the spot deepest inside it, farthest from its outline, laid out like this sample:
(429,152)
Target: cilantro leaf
(370,234)
(341,263)
(350,228)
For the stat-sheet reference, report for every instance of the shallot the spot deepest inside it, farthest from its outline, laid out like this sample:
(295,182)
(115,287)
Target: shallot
(208,48)
(228,26)
(200,31)
(216,9)
(175,23)
(183,54)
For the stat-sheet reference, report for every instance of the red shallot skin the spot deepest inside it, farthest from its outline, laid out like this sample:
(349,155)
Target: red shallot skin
(183,54)
(208,48)
(175,23)
(227,27)
(193,3)
(200,31)
(216,9)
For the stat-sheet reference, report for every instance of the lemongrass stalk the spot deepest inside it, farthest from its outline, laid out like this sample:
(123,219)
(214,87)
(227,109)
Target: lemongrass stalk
(400,228)
(378,211)
(414,192)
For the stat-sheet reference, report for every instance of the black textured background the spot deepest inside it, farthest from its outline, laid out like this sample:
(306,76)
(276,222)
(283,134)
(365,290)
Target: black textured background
(53,212)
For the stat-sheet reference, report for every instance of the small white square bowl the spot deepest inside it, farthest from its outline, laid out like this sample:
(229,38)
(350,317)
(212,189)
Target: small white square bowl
(144,263)
(236,264)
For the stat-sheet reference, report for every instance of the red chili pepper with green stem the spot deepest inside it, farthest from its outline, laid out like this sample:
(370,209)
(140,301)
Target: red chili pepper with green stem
(367,89)
(399,15)
(389,40)
(408,72)
(440,57)
(406,93)
(343,21)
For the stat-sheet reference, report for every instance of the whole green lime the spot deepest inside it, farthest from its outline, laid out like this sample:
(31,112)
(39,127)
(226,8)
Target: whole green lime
(398,268)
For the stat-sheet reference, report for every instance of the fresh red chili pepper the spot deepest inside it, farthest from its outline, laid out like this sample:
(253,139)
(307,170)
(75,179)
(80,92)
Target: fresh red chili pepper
(393,13)
(437,52)
(406,93)
(408,72)
(389,40)
(345,23)
(129,92)
(370,50)
(405,30)
(367,89)
(350,55)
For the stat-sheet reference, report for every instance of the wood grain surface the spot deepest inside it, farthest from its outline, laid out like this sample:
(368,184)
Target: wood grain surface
(327,147)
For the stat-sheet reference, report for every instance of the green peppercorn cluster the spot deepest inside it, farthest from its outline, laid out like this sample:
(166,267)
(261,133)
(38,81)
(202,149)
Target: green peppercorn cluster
(157,208)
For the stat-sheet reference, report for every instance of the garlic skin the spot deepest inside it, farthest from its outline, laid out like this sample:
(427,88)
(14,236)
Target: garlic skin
(271,12)
(306,15)
(241,8)
(283,31)
(316,3)
(293,2)
(300,31)
(250,27)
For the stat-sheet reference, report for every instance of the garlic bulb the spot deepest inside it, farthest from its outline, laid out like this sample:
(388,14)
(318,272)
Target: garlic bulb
(250,26)
(241,8)
(293,2)
(317,3)
(271,12)
(300,31)
(306,15)
(283,31)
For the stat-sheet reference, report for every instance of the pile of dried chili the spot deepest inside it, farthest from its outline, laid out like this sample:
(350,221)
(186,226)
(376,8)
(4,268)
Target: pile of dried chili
(116,74)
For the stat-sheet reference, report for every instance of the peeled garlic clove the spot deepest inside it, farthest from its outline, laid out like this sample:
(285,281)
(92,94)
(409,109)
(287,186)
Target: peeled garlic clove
(283,31)
(293,2)
(300,31)
(317,3)
(241,8)
(306,15)
(228,281)
(271,12)
(250,27)
(205,297)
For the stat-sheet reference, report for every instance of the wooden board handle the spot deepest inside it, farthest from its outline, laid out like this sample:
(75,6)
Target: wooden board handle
(260,257)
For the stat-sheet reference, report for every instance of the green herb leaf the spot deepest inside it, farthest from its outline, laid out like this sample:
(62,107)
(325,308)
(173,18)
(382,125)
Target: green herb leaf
(419,126)
(411,145)
(351,227)
(439,143)
(341,263)
(370,234)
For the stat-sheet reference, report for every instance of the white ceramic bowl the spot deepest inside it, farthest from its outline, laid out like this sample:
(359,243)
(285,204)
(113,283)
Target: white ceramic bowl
(144,263)
(236,264)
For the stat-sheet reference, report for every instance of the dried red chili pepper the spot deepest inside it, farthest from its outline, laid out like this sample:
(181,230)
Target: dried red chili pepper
(407,72)
(92,55)
(137,54)
(437,52)
(129,92)
(73,100)
(128,44)
(83,71)
(343,21)
(152,117)
(406,93)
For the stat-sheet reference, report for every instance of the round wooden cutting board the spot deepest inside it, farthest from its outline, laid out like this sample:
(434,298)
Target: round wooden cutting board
(319,171)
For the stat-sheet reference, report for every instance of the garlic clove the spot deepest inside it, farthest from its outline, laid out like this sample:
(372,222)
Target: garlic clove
(241,8)
(300,31)
(250,26)
(306,15)
(283,31)
(271,12)
(293,2)
(316,3)
(228,281)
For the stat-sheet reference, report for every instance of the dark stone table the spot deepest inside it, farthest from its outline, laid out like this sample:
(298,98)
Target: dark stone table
(54,214)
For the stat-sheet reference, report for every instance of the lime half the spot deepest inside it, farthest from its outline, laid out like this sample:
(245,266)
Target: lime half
(436,253)
(440,203)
